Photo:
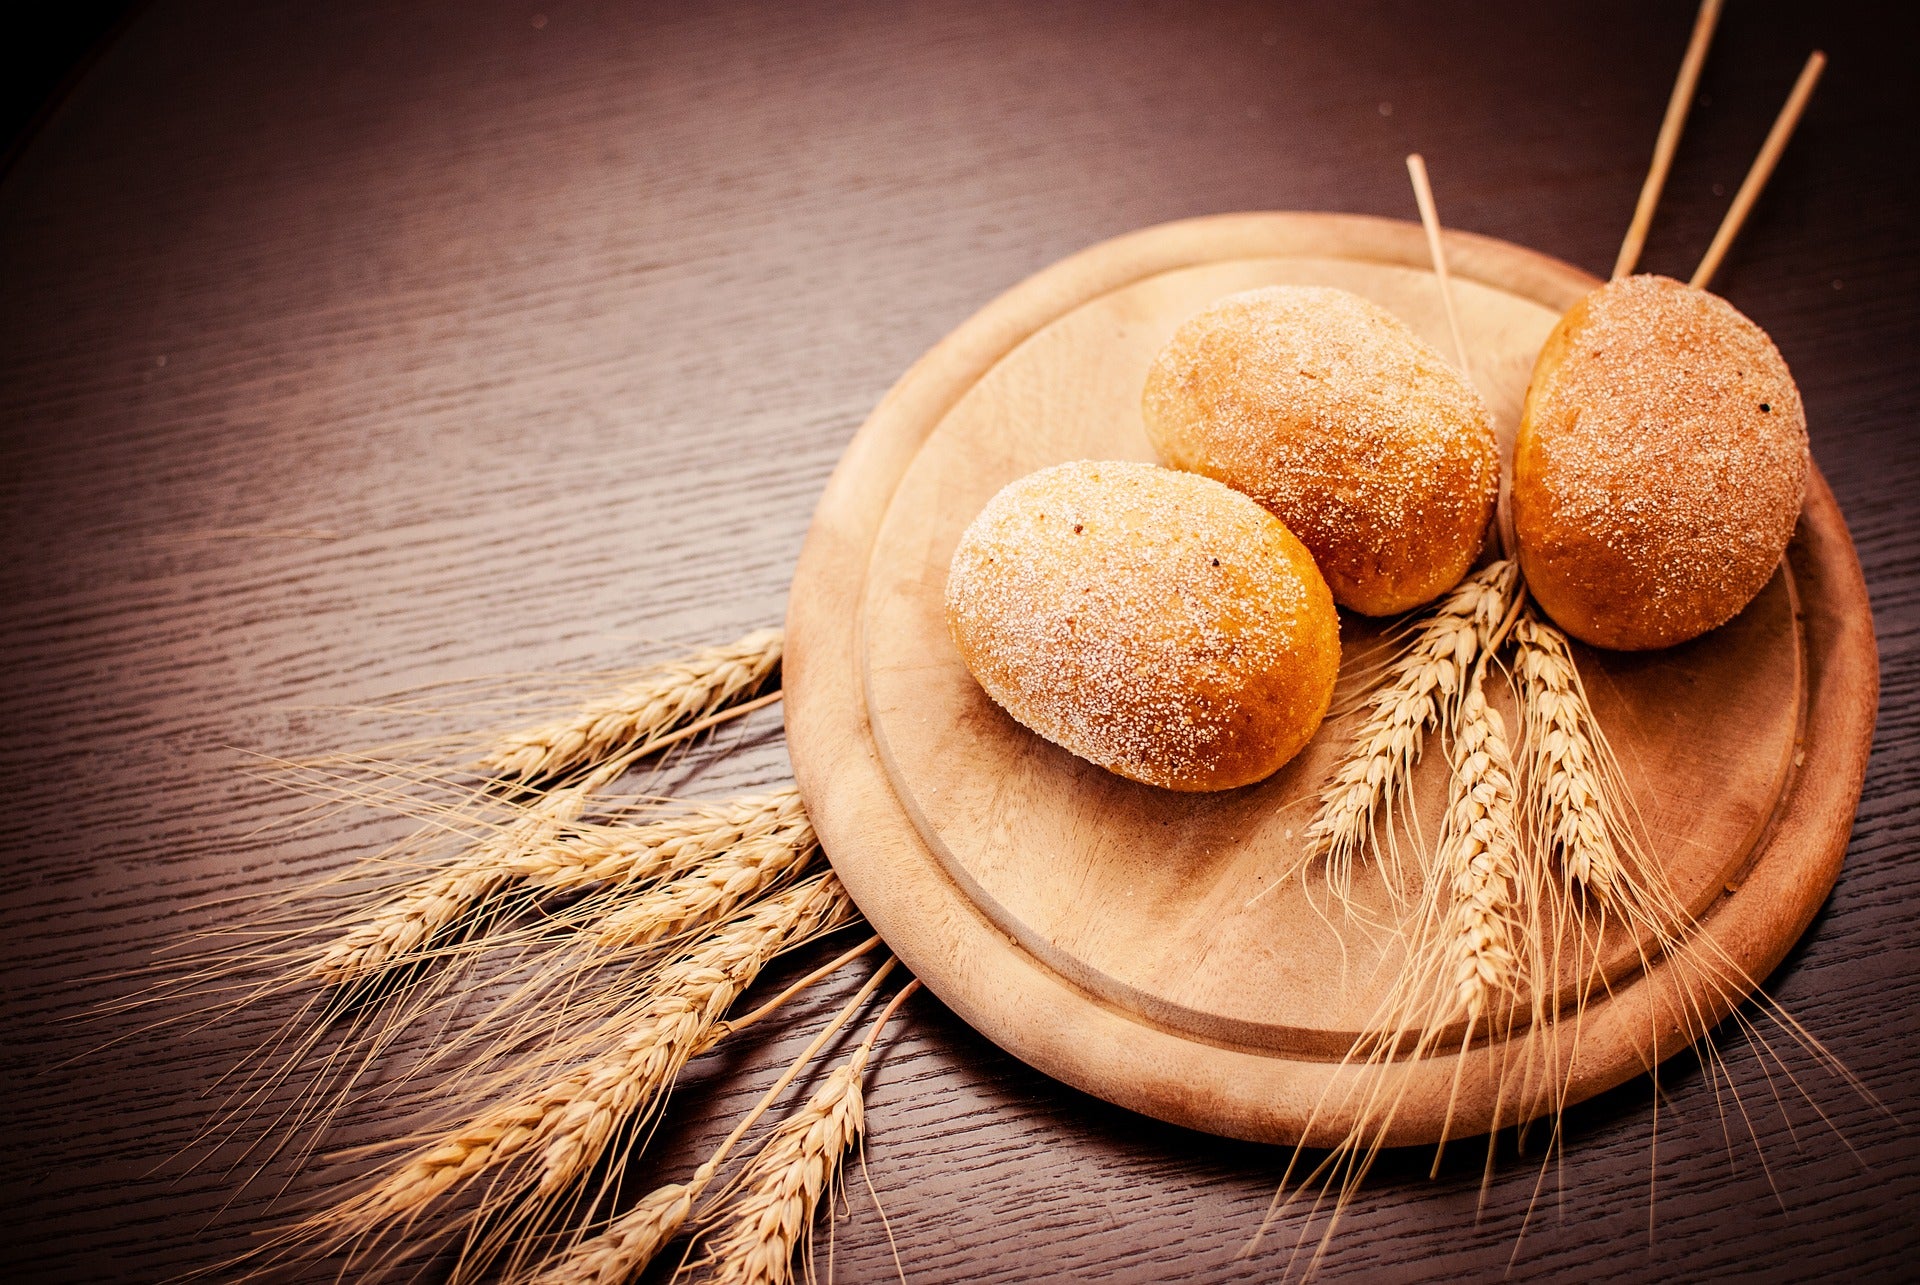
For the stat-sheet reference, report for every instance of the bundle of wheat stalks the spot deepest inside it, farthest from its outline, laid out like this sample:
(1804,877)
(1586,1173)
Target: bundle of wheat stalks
(631,931)
(1539,858)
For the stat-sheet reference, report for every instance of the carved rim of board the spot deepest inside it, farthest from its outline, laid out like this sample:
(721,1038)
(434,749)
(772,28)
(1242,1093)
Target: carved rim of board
(1031,1009)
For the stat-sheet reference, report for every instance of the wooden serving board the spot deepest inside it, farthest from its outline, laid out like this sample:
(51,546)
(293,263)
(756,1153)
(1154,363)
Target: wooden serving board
(1158,949)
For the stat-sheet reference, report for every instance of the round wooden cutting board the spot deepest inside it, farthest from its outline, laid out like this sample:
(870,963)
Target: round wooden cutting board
(1161,950)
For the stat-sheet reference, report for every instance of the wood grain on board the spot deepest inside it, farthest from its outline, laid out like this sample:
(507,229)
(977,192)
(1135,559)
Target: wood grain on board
(350,349)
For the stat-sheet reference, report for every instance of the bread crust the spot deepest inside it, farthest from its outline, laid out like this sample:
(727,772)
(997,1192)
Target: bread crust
(1660,465)
(1153,622)
(1371,447)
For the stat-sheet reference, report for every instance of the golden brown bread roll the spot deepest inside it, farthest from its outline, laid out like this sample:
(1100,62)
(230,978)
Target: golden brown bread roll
(1159,624)
(1659,467)
(1348,427)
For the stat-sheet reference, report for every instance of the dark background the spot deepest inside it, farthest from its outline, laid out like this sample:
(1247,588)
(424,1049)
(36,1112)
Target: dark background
(47,51)
(349,348)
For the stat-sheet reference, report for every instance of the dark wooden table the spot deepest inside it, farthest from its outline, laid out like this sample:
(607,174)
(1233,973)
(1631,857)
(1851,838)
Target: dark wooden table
(350,348)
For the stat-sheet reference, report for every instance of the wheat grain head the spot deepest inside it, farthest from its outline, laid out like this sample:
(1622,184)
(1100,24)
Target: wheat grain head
(623,855)
(666,697)
(1418,691)
(629,1244)
(1570,799)
(556,1133)
(398,928)
(782,1186)
(622,1251)
(711,890)
(786,1180)
(1479,854)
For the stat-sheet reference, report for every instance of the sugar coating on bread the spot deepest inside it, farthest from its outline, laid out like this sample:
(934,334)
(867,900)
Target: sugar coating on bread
(1156,623)
(1660,465)
(1344,424)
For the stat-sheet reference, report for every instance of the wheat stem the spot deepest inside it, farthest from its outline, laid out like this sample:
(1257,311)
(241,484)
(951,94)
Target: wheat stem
(666,697)
(735,1025)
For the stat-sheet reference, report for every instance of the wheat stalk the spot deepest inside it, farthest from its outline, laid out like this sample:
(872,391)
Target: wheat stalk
(629,854)
(668,696)
(399,928)
(611,864)
(629,1244)
(1474,938)
(624,1250)
(561,1129)
(545,851)
(711,891)
(1479,852)
(1421,689)
(795,1167)
(1578,810)
(789,1176)
(1569,791)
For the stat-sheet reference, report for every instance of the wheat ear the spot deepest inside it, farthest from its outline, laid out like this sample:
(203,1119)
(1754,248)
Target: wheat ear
(1578,811)
(561,1129)
(712,889)
(628,1245)
(796,1166)
(667,697)
(1474,940)
(629,854)
(401,927)
(1420,690)
(1479,854)
(790,1175)
(1571,797)
(547,852)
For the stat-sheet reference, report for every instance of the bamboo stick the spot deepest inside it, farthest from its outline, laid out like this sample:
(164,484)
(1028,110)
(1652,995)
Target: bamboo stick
(1762,170)
(1430,220)
(1678,104)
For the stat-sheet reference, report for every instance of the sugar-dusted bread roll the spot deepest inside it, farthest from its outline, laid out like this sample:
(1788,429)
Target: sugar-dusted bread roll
(1157,623)
(1348,427)
(1659,467)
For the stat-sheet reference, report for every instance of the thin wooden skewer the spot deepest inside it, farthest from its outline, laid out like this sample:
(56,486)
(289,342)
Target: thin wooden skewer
(1762,170)
(1669,140)
(1430,220)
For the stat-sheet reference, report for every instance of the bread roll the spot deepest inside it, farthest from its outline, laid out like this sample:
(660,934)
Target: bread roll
(1348,427)
(1156,623)
(1659,467)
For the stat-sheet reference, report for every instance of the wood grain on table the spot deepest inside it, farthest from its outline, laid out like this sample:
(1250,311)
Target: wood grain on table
(350,349)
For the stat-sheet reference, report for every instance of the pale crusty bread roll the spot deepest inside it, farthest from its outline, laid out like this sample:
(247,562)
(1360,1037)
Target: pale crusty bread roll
(1659,467)
(1348,427)
(1156,623)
